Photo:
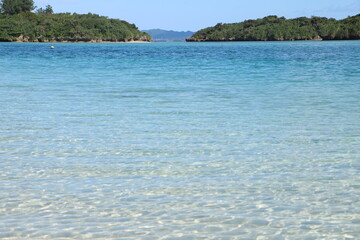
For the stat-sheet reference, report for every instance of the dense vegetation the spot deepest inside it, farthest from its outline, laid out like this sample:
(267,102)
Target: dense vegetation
(45,26)
(273,28)
(16,6)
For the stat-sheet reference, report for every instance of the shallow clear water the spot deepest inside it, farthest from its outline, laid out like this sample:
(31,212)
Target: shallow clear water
(180,141)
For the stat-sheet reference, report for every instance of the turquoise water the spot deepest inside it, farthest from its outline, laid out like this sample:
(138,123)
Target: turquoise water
(180,141)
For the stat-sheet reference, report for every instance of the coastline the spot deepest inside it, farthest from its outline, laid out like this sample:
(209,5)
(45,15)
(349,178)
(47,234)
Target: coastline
(318,39)
(301,40)
(134,41)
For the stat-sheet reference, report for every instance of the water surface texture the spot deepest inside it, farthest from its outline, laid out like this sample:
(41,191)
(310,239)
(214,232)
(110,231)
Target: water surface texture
(180,141)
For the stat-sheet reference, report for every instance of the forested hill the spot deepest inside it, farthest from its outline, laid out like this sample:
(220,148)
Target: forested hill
(273,28)
(45,26)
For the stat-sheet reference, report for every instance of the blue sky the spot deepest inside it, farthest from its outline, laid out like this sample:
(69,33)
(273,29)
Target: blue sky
(197,14)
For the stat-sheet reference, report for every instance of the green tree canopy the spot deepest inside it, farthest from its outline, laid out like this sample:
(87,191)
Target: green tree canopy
(16,6)
(48,10)
(66,27)
(273,28)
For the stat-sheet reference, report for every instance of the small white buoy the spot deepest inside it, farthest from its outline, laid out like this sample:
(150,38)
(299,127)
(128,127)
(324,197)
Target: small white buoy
(52,47)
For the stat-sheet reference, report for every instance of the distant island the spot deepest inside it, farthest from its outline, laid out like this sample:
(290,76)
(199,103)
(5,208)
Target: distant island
(159,35)
(273,28)
(19,24)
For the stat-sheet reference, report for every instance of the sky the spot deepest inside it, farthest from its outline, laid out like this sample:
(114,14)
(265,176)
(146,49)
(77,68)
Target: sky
(194,15)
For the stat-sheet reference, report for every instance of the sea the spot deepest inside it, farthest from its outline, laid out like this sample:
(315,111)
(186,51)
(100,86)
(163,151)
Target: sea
(241,140)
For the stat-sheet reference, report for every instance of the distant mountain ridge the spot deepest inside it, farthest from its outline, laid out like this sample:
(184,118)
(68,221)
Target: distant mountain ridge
(160,35)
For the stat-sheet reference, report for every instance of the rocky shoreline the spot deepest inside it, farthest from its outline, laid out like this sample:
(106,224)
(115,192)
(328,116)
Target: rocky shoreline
(192,39)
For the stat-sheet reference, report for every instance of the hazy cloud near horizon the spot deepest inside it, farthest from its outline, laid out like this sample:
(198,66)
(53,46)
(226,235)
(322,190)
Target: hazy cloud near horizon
(194,15)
